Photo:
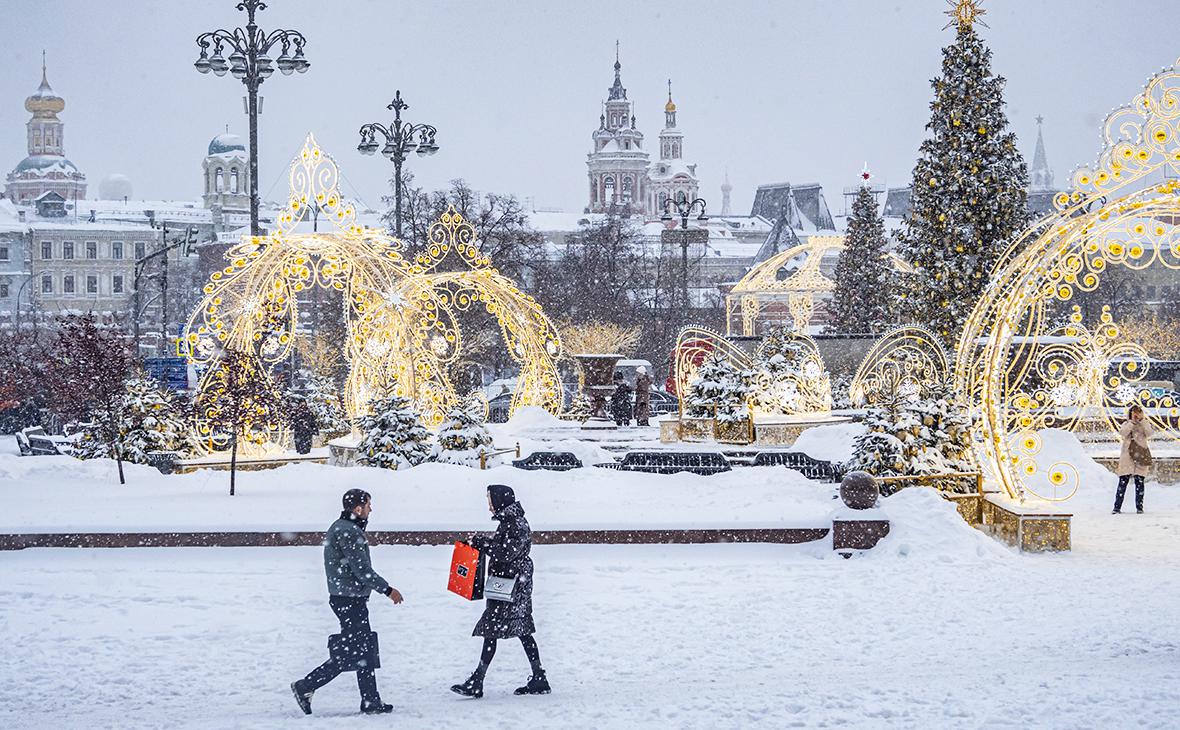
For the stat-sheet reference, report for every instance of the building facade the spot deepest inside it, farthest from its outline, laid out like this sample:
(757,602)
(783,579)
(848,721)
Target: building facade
(46,168)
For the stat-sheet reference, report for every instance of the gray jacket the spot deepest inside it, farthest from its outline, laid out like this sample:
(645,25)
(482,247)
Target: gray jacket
(346,561)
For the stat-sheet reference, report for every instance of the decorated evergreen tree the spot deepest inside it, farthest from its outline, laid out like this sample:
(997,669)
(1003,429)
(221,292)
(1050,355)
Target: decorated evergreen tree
(393,436)
(461,439)
(323,398)
(151,418)
(718,390)
(864,282)
(884,449)
(969,194)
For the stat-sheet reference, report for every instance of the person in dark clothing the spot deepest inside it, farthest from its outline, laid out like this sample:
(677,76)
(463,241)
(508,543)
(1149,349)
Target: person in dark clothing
(643,382)
(303,425)
(508,555)
(351,579)
(620,402)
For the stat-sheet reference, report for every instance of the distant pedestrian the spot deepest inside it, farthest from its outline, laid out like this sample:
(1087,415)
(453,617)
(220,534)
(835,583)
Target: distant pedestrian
(1135,457)
(620,402)
(351,578)
(508,556)
(303,425)
(643,381)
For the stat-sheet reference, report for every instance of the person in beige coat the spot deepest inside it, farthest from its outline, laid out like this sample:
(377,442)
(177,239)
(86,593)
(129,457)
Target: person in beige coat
(1135,457)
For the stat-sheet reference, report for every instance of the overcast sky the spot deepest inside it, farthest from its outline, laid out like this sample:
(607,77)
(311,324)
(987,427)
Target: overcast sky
(793,90)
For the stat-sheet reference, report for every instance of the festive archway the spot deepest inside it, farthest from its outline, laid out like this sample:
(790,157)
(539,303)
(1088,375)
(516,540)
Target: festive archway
(402,313)
(905,359)
(1024,374)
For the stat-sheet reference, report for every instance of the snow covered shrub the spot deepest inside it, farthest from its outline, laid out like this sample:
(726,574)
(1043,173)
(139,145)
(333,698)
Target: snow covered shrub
(788,376)
(580,409)
(393,436)
(323,398)
(841,395)
(461,439)
(151,418)
(718,390)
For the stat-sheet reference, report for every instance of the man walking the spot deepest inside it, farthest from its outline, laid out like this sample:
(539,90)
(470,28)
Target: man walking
(350,580)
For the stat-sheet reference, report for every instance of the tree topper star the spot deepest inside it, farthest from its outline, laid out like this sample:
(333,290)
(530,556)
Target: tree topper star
(965,13)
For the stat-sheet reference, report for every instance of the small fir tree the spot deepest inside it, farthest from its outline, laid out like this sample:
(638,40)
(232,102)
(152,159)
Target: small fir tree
(323,398)
(461,439)
(969,194)
(152,418)
(393,436)
(864,285)
(718,390)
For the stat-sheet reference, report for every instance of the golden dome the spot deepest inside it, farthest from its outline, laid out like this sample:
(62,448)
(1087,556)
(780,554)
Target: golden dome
(44,102)
(670,107)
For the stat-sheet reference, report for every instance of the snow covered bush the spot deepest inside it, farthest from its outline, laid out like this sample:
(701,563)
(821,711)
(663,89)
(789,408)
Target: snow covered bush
(323,398)
(788,376)
(392,434)
(461,439)
(718,390)
(151,418)
(911,435)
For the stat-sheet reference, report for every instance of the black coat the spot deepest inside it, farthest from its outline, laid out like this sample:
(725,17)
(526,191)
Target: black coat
(508,554)
(620,402)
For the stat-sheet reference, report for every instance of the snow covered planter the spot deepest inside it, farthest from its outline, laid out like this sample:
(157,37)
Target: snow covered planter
(461,440)
(392,435)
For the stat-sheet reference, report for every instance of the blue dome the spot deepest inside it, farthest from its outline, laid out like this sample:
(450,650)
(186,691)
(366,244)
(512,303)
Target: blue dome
(43,163)
(227,142)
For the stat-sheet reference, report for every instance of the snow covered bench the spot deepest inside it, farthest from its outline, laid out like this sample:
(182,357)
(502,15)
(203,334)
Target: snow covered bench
(824,471)
(549,460)
(671,462)
(33,441)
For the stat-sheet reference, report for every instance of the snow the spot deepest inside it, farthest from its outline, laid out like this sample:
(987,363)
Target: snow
(829,443)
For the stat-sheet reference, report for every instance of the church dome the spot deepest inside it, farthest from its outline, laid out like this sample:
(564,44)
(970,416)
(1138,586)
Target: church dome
(670,106)
(45,164)
(114,187)
(44,101)
(225,143)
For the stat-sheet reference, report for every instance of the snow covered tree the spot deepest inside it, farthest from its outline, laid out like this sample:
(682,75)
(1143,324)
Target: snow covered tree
(151,418)
(393,436)
(882,450)
(862,301)
(461,439)
(968,192)
(240,402)
(323,398)
(718,390)
(89,365)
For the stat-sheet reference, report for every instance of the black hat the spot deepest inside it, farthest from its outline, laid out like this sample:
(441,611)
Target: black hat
(502,496)
(354,498)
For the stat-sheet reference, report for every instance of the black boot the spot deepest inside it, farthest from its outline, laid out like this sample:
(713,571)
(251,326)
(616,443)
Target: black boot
(302,696)
(376,708)
(473,687)
(537,685)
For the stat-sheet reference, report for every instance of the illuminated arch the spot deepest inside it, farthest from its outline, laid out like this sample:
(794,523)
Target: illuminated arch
(904,359)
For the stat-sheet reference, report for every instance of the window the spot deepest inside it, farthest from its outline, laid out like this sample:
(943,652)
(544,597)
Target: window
(1151,292)
(116,249)
(47,249)
(92,249)
(3,291)
(608,184)
(3,253)
(117,284)
(46,284)
(233,180)
(67,284)
(219,181)
(139,249)
(627,189)
(92,284)
(67,250)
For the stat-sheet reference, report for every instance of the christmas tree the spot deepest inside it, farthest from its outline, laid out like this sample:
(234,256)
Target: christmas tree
(461,439)
(864,282)
(718,390)
(323,398)
(393,436)
(151,418)
(969,194)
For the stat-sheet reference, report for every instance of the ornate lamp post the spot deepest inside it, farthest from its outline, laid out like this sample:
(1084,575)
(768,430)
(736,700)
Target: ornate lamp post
(249,63)
(399,143)
(684,209)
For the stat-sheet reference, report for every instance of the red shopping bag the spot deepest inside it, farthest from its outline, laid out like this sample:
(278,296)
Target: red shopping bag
(466,577)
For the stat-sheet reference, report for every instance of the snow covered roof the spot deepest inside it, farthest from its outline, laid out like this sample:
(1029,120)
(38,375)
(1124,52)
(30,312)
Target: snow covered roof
(227,143)
(668,169)
(10,218)
(40,165)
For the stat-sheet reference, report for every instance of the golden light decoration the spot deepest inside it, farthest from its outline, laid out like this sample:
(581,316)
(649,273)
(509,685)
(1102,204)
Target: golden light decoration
(965,13)
(773,282)
(1121,211)
(904,360)
(402,314)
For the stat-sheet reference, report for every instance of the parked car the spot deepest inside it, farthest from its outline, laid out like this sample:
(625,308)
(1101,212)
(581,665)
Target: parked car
(662,403)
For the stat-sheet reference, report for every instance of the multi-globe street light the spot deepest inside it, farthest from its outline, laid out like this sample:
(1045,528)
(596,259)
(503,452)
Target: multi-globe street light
(399,143)
(684,209)
(250,63)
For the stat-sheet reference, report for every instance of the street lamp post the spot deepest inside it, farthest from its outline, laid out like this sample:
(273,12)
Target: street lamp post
(249,63)
(138,306)
(399,143)
(684,209)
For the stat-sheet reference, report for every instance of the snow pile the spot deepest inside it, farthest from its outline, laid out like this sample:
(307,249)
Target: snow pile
(829,443)
(1059,447)
(924,525)
(533,417)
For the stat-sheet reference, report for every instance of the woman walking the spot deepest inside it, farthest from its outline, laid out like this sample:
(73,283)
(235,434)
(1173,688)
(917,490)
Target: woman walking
(508,556)
(1134,459)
